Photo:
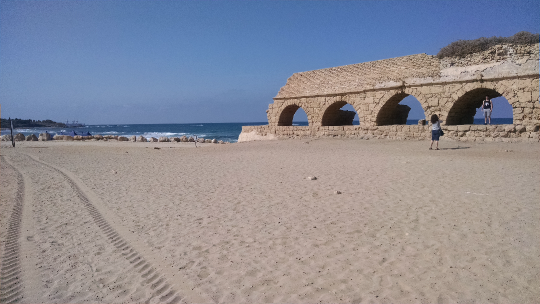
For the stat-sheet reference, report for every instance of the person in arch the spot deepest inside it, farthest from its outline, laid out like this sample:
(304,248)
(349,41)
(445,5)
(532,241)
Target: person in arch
(487,107)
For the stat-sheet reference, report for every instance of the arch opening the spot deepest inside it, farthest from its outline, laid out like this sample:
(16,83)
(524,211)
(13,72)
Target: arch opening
(468,107)
(502,112)
(340,113)
(399,109)
(300,118)
(288,114)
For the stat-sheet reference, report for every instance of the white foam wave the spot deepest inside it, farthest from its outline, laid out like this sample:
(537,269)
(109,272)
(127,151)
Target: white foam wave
(163,134)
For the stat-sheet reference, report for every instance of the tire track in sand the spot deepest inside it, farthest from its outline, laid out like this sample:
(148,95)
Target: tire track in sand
(155,272)
(10,271)
(19,278)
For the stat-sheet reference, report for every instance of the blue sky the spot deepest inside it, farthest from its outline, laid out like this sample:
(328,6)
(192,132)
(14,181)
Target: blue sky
(212,61)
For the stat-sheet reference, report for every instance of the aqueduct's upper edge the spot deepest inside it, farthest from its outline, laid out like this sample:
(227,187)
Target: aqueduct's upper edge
(502,61)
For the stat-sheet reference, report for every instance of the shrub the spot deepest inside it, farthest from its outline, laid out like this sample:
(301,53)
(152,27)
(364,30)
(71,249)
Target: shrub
(462,48)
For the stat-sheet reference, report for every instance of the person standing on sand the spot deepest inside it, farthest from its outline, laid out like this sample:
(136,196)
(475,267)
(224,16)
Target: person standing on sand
(435,131)
(487,106)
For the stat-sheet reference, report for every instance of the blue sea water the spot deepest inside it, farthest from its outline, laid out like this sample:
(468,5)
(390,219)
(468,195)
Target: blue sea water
(221,131)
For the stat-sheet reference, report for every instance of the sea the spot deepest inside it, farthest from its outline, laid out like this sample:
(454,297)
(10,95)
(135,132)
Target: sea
(228,132)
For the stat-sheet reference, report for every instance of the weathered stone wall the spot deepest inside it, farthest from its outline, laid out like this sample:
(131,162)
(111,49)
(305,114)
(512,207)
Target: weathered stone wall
(360,77)
(452,88)
(457,100)
(500,133)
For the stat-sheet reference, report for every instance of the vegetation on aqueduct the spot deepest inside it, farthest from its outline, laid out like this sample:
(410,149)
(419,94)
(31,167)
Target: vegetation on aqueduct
(462,48)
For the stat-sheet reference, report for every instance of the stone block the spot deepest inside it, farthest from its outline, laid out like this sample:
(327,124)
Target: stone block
(20,137)
(433,102)
(527,105)
(536,93)
(44,136)
(469,133)
(524,96)
(531,128)
(31,137)
(509,128)
(436,89)
(463,127)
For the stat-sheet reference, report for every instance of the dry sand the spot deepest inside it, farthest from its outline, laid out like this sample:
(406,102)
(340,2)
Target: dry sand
(240,223)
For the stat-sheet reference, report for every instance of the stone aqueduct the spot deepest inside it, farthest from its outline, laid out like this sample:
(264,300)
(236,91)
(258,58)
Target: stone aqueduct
(452,88)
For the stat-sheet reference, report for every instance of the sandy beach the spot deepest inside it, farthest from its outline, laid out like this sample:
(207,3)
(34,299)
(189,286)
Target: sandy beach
(384,222)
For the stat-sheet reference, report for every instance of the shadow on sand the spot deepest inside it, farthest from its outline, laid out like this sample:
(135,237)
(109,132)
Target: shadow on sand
(455,148)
